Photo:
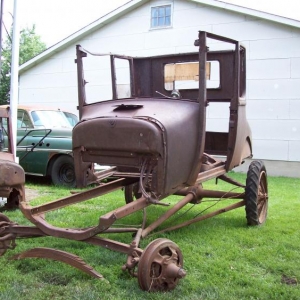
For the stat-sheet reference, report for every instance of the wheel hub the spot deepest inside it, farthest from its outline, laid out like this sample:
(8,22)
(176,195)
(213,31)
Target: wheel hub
(160,266)
(7,240)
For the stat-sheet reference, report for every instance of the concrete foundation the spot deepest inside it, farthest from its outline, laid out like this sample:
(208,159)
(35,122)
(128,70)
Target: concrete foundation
(275,168)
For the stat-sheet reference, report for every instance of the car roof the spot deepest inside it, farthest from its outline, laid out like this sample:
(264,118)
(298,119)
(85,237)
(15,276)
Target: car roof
(36,107)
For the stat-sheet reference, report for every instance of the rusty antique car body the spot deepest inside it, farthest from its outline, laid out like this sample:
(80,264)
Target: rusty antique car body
(150,127)
(12,175)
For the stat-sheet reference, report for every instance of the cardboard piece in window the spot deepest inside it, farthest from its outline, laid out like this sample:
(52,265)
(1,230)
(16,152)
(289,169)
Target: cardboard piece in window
(185,71)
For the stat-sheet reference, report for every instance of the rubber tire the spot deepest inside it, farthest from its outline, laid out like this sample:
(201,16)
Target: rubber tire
(63,171)
(13,200)
(256,184)
(131,192)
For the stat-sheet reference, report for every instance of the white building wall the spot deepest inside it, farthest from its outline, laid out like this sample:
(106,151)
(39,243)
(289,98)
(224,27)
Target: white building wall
(273,68)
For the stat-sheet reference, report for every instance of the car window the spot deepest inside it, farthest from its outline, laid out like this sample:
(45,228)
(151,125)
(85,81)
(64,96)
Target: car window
(2,132)
(23,120)
(50,119)
(73,119)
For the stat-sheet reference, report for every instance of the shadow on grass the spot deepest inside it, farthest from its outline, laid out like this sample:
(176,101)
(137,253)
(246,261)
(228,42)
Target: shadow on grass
(38,180)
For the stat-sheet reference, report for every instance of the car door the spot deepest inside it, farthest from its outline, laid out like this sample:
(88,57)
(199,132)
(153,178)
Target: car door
(32,157)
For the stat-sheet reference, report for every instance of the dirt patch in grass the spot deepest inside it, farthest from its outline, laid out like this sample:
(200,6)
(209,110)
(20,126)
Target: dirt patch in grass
(288,280)
(31,194)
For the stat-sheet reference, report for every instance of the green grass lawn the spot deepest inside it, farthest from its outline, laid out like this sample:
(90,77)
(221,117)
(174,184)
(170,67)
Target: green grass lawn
(224,258)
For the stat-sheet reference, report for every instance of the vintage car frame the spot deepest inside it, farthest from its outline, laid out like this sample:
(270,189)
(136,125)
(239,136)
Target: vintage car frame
(157,145)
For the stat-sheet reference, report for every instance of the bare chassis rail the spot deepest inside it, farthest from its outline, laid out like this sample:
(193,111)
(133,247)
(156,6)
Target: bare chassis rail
(9,231)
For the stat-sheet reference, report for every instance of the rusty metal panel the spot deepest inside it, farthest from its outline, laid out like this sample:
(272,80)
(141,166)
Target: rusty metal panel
(12,174)
(127,137)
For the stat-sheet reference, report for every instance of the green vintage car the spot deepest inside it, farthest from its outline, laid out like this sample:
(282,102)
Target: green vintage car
(44,144)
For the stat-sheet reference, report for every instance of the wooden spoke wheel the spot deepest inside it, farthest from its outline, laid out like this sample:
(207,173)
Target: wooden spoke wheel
(6,244)
(160,266)
(256,194)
